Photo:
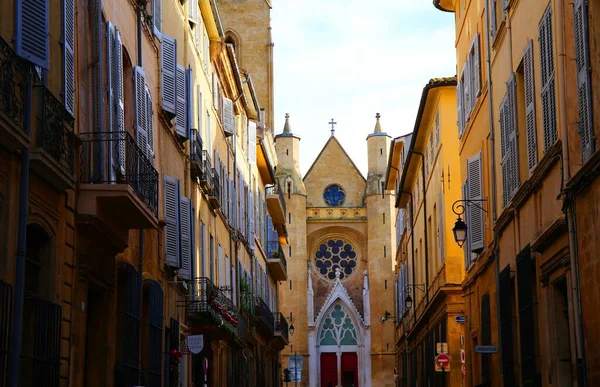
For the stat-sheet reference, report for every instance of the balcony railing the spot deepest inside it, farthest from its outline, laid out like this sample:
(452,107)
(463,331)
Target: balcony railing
(264,314)
(14,73)
(196,153)
(206,179)
(206,298)
(115,158)
(281,326)
(54,128)
(276,190)
(215,195)
(274,251)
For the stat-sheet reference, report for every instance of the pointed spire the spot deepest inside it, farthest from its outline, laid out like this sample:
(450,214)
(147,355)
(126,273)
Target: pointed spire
(286,127)
(377,124)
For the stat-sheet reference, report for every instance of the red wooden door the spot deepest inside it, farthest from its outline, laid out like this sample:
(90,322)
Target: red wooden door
(349,369)
(328,369)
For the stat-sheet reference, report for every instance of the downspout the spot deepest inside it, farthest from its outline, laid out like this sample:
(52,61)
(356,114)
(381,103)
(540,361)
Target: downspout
(493,177)
(412,241)
(140,231)
(425,225)
(569,205)
(17,323)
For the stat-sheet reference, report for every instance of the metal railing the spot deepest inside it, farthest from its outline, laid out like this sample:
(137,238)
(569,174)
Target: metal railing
(206,171)
(264,314)
(216,185)
(276,190)
(54,128)
(115,158)
(196,149)
(206,297)
(14,79)
(274,251)
(281,326)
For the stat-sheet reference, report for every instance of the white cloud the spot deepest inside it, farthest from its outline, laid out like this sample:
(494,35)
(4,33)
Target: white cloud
(346,60)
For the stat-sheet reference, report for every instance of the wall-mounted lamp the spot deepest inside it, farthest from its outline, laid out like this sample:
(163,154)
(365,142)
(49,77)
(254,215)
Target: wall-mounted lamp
(460,227)
(408,301)
(291,329)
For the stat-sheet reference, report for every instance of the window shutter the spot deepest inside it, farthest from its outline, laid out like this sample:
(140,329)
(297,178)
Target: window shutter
(513,142)
(467,86)
(157,17)
(476,68)
(530,121)
(475,225)
(221,268)
(168,76)
(460,104)
(120,104)
(582,55)
(69,55)
(185,217)
(227,117)
(193,11)
(200,115)
(493,17)
(33,32)
(172,215)
(206,52)
(141,109)
(189,93)
(112,78)
(504,131)
(467,245)
(181,117)
(96,27)
(150,126)
(441,229)
(548,84)
(505,4)
(202,250)
(228,274)
(251,142)
(215,91)
(251,219)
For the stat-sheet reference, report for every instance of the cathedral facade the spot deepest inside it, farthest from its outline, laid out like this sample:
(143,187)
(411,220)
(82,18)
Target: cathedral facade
(340,288)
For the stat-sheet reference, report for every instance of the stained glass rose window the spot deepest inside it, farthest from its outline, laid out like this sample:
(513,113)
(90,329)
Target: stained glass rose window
(335,254)
(334,195)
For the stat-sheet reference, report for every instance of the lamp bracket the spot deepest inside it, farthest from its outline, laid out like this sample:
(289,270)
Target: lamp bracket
(459,206)
(408,287)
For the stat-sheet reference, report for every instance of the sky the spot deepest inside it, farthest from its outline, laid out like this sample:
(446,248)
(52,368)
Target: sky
(351,59)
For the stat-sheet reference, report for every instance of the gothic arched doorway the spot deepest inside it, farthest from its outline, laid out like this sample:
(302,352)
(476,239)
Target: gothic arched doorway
(338,348)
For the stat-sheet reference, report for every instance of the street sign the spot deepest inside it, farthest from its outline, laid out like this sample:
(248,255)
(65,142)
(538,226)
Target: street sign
(460,319)
(442,360)
(195,343)
(441,347)
(486,349)
(463,356)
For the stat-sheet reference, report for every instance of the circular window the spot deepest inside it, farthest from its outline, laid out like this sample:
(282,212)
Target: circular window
(333,255)
(334,195)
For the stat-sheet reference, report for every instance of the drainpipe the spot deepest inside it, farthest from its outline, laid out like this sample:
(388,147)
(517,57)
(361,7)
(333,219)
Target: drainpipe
(412,241)
(15,343)
(493,173)
(140,231)
(425,225)
(569,203)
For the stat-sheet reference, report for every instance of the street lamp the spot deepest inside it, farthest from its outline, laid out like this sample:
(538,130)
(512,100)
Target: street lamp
(460,227)
(291,329)
(408,301)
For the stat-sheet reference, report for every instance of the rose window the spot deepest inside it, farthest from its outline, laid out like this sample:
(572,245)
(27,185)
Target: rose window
(335,254)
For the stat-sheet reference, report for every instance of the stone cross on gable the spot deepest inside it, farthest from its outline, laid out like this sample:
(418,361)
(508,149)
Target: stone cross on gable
(333,124)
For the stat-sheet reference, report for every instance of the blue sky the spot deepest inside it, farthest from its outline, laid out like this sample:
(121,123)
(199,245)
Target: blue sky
(350,59)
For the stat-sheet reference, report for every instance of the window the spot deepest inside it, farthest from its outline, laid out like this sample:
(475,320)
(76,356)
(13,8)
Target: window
(530,120)
(509,145)
(493,18)
(338,328)
(334,195)
(546,40)
(212,258)
(475,223)
(32,37)
(335,255)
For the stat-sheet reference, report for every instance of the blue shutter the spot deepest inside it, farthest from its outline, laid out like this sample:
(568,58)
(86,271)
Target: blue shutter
(582,56)
(181,118)
(475,225)
(172,241)
(157,17)
(200,113)
(112,83)
(189,88)
(69,55)
(185,216)
(150,126)
(466,247)
(141,119)
(169,74)
(33,32)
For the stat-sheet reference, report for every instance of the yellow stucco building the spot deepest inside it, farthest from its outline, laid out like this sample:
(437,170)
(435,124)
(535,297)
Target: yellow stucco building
(423,169)
(340,264)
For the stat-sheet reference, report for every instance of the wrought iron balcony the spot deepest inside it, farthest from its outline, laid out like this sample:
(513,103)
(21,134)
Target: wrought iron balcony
(276,260)
(209,306)
(15,98)
(214,196)
(264,317)
(281,329)
(196,154)
(54,153)
(118,182)
(206,179)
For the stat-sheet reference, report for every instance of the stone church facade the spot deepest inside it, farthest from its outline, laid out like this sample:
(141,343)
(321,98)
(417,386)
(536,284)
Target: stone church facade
(340,264)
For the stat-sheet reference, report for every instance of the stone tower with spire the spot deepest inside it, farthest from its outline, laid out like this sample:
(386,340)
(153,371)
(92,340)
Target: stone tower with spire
(340,278)
(247,25)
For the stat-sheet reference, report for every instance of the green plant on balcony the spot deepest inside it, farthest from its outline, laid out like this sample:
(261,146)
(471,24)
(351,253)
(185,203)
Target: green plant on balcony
(276,254)
(246,300)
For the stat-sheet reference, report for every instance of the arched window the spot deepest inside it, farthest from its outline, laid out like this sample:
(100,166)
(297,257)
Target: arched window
(338,328)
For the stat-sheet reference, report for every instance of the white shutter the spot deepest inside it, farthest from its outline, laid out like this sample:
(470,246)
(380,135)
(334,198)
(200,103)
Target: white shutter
(32,40)
(582,56)
(251,226)
(193,11)
(157,17)
(513,142)
(185,211)
(181,117)
(69,55)
(476,69)
(227,117)
(252,142)
(141,119)
(206,52)
(467,86)
(466,246)
(169,74)
(530,120)
(476,221)
(504,132)
(171,203)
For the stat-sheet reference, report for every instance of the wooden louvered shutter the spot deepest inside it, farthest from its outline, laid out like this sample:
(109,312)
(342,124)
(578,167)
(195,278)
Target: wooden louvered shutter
(69,55)
(215,91)
(513,142)
(150,126)
(546,40)
(251,208)
(172,241)
(584,87)
(181,118)
(493,21)
(193,11)
(202,250)
(475,225)
(252,142)
(189,93)
(467,90)
(112,80)
(157,17)
(466,246)
(476,70)
(227,117)
(530,120)
(32,38)
(228,274)
(185,213)
(504,130)
(221,267)
(169,74)
(200,113)
(141,109)
(120,102)
(441,230)
(459,105)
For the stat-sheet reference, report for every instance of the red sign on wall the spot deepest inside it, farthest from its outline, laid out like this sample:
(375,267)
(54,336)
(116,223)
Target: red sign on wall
(442,360)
